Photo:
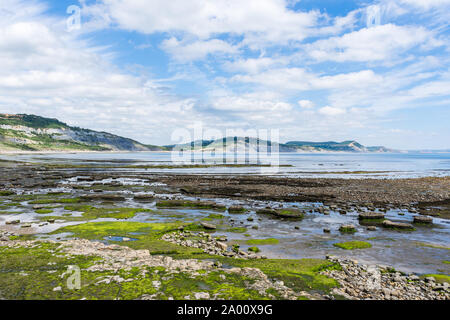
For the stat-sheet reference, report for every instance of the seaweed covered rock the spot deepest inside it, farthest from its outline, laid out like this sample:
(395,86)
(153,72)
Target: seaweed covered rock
(105,197)
(347,228)
(144,197)
(236,209)
(283,213)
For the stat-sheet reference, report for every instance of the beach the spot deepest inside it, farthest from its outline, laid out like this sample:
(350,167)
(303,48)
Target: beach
(270,236)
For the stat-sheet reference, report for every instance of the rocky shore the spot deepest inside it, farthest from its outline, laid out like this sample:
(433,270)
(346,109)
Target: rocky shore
(376,282)
(141,235)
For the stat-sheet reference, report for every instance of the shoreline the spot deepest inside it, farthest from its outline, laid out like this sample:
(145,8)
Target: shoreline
(205,222)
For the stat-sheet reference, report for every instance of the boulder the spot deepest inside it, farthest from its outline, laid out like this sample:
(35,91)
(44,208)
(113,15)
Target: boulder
(347,228)
(283,213)
(106,197)
(423,220)
(371,216)
(144,198)
(397,225)
(222,246)
(13,222)
(236,209)
(209,226)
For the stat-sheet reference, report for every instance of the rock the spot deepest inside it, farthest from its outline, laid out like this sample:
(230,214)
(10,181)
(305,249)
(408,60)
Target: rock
(397,225)
(13,222)
(222,246)
(209,226)
(326,230)
(413,277)
(144,198)
(57,289)
(372,228)
(430,279)
(423,220)
(371,216)
(26,225)
(201,295)
(236,209)
(106,197)
(283,213)
(347,228)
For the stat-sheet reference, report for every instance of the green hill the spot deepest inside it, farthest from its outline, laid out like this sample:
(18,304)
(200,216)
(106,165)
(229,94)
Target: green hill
(22,132)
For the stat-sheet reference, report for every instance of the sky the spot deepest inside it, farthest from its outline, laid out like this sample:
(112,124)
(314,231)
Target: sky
(316,70)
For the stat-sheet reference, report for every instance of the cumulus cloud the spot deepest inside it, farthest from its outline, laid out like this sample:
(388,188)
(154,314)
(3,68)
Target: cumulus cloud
(306,104)
(237,63)
(47,71)
(427,4)
(299,79)
(270,20)
(188,51)
(331,111)
(382,43)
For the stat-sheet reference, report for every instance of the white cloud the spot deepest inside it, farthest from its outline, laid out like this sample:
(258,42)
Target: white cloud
(251,104)
(268,21)
(306,104)
(379,43)
(427,4)
(254,65)
(188,51)
(47,71)
(298,79)
(331,111)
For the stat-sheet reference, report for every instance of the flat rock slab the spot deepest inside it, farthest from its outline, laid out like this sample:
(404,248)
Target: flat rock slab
(283,213)
(423,220)
(144,198)
(397,225)
(208,225)
(237,209)
(370,215)
(349,228)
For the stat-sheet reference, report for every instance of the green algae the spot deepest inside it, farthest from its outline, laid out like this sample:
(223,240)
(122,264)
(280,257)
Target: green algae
(298,274)
(5,193)
(440,278)
(237,210)
(43,211)
(352,245)
(213,216)
(147,235)
(344,229)
(283,213)
(92,213)
(262,241)
(431,245)
(236,229)
(50,201)
(254,249)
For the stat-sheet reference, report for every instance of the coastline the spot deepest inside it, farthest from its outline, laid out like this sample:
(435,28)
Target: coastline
(199,227)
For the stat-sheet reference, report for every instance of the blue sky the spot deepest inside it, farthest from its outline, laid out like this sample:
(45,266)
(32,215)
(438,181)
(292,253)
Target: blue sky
(373,71)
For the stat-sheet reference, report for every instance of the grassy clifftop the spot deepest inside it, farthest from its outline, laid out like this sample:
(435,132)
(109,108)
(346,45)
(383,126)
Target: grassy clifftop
(22,132)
